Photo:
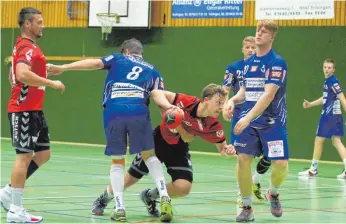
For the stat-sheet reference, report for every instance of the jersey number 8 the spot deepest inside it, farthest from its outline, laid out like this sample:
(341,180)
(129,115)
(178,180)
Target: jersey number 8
(134,74)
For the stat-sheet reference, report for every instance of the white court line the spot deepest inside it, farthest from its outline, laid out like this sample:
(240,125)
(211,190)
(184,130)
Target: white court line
(197,192)
(192,152)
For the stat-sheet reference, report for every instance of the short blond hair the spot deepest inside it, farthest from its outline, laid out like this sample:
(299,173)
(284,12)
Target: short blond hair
(250,39)
(270,25)
(329,60)
(211,90)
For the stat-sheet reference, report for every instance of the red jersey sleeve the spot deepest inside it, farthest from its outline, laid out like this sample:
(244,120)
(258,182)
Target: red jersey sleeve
(215,133)
(184,101)
(25,54)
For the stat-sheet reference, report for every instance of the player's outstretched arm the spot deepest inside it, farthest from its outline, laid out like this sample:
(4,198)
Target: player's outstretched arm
(307,104)
(26,76)
(87,64)
(224,149)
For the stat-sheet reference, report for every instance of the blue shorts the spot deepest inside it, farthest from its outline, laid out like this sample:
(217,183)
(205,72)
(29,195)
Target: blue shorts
(137,128)
(234,122)
(273,141)
(330,126)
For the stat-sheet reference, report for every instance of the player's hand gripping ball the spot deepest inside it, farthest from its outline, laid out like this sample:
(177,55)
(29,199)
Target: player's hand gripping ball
(172,118)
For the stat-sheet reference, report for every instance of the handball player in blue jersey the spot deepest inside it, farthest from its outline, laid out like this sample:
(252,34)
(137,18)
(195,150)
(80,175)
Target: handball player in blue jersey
(129,83)
(232,79)
(331,125)
(262,124)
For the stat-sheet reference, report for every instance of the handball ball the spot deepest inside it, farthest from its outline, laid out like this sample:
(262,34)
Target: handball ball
(172,118)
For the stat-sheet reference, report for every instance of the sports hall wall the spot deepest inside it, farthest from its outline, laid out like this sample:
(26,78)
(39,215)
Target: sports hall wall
(189,58)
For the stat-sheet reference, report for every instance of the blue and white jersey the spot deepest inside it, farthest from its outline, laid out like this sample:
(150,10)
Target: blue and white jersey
(331,103)
(129,83)
(258,72)
(232,79)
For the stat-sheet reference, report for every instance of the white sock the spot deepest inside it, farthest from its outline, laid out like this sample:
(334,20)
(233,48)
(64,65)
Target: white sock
(117,181)
(273,190)
(345,164)
(247,201)
(156,171)
(256,178)
(154,193)
(314,164)
(17,195)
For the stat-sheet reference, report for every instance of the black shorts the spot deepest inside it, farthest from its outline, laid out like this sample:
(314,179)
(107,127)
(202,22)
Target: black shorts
(176,158)
(29,131)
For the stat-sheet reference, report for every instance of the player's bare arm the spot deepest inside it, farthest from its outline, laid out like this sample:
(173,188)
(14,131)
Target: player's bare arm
(26,76)
(224,111)
(307,104)
(228,108)
(225,149)
(12,83)
(342,99)
(160,99)
(185,136)
(87,64)
(263,102)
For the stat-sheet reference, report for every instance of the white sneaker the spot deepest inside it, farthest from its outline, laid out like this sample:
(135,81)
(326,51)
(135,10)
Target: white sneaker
(309,173)
(6,197)
(20,215)
(342,176)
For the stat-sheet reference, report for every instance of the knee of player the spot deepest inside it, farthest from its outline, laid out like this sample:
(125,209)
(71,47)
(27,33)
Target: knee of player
(319,140)
(336,141)
(42,157)
(147,154)
(280,164)
(244,159)
(183,186)
(24,158)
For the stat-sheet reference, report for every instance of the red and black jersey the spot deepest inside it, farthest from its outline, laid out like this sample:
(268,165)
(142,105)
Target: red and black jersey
(208,128)
(24,97)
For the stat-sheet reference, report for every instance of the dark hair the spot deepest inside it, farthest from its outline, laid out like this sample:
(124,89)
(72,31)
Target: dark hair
(133,45)
(329,60)
(27,14)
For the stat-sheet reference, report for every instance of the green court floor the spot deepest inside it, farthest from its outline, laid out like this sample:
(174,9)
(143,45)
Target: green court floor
(63,190)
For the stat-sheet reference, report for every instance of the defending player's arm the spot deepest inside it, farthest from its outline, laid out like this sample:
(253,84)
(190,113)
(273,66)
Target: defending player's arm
(227,85)
(236,99)
(339,93)
(277,75)
(307,104)
(86,64)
